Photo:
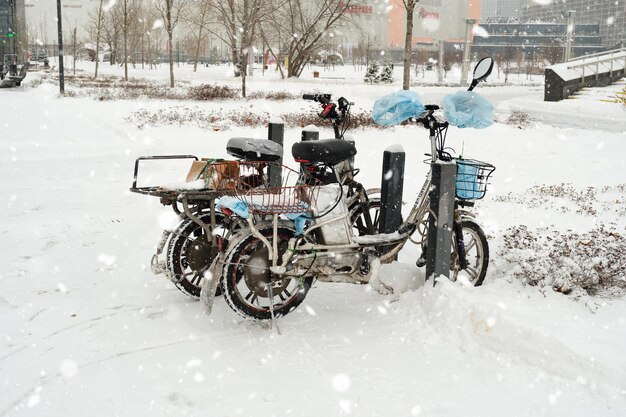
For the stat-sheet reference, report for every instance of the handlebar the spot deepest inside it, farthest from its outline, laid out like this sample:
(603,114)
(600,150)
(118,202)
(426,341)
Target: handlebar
(320,98)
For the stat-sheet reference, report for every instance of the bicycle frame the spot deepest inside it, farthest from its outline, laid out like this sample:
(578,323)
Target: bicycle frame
(404,232)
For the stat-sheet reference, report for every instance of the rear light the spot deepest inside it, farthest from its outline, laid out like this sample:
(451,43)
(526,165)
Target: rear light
(226,211)
(303,161)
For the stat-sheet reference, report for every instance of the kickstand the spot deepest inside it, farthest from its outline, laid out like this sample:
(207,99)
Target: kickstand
(270,291)
(209,286)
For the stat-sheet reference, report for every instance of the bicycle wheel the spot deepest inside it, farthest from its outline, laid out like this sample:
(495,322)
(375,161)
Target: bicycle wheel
(476,254)
(246,277)
(190,253)
(359,218)
(366,223)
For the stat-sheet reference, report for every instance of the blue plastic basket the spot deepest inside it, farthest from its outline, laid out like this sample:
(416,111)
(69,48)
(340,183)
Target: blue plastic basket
(471,178)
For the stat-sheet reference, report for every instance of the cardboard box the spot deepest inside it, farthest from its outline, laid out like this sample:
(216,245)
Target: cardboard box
(217,175)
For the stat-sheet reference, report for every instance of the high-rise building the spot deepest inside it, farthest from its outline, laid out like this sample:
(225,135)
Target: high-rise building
(499,8)
(610,15)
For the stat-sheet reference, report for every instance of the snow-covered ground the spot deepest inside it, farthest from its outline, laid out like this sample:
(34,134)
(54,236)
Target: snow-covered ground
(87,330)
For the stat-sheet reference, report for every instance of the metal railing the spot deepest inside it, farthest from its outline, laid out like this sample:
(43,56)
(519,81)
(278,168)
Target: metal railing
(610,57)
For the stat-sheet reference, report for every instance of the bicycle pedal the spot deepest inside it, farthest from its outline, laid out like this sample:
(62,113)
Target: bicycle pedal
(421,262)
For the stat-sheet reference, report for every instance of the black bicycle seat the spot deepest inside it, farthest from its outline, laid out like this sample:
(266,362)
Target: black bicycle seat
(327,151)
(249,149)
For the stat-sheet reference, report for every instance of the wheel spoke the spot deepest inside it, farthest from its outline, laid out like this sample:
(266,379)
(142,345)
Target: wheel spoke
(196,279)
(376,220)
(470,245)
(473,272)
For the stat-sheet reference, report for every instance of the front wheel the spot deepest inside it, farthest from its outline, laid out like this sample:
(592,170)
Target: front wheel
(247,276)
(476,254)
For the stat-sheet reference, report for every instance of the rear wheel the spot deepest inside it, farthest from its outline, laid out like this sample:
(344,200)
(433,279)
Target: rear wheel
(247,275)
(476,254)
(190,253)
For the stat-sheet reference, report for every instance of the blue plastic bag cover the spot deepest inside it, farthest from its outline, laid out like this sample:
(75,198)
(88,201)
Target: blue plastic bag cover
(397,107)
(467,109)
(466,185)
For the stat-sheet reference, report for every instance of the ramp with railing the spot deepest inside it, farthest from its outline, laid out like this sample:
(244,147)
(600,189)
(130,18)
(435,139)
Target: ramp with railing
(604,68)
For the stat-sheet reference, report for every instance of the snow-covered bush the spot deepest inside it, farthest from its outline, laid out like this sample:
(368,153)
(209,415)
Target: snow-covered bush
(592,262)
(213,92)
(518,119)
(273,95)
(220,119)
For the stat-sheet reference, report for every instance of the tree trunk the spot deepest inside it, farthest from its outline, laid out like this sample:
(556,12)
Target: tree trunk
(171,57)
(125,34)
(198,44)
(244,69)
(408,40)
(98,29)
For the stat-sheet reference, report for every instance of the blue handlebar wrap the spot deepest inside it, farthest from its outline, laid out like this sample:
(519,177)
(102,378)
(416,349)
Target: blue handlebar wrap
(468,109)
(397,107)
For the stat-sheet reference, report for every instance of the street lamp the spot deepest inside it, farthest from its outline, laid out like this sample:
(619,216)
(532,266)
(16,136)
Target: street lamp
(569,40)
(469,26)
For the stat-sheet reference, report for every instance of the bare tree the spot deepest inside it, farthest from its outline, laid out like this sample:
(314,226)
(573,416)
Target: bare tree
(128,13)
(240,20)
(305,27)
(99,19)
(272,37)
(199,17)
(170,11)
(409,7)
(111,27)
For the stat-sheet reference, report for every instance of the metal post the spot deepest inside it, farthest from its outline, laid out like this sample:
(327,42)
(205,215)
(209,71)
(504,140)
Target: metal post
(440,229)
(310,132)
(569,38)
(276,133)
(440,62)
(60,34)
(391,187)
(469,26)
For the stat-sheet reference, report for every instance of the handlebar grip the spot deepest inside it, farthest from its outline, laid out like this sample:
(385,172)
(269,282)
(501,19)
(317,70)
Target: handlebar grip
(309,97)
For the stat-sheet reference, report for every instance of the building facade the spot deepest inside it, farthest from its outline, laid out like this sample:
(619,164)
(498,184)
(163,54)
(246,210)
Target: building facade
(609,15)
(13,34)
(499,8)
(535,39)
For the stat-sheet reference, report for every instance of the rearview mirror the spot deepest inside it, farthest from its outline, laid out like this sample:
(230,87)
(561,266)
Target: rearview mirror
(481,71)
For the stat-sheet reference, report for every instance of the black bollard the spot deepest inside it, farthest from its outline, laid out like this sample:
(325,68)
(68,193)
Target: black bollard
(391,187)
(276,133)
(440,230)
(310,132)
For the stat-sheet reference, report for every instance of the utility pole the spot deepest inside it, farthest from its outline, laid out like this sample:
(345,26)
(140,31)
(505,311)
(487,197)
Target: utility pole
(569,39)
(469,25)
(60,34)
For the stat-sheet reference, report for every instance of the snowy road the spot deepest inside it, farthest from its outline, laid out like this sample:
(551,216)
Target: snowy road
(87,330)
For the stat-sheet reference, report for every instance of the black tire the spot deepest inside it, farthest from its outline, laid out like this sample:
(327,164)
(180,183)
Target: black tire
(247,271)
(358,220)
(476,253)
(190,253)
(359,223)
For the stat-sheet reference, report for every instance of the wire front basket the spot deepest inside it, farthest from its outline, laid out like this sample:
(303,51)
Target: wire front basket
(293,196)
(471,178)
